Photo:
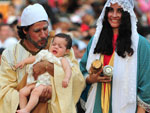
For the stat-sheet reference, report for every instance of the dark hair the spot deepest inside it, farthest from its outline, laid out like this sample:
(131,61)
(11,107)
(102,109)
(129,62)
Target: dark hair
(123,44)
(1,50)
(1,16)
(67,38)
(20,31)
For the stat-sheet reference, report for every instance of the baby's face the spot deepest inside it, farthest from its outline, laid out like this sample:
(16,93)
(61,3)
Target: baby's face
(58,47)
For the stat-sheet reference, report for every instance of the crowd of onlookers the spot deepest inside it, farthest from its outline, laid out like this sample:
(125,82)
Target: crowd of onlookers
(75,17)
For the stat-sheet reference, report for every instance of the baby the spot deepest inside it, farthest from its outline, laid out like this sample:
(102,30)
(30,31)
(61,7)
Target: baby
(59,48)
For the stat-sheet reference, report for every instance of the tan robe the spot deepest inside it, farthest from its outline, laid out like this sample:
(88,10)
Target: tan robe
(63,99)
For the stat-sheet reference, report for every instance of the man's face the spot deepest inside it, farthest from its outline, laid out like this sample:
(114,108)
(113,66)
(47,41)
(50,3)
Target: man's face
(38,33)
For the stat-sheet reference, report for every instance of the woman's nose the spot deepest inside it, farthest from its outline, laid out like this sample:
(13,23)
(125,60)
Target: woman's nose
(114,13)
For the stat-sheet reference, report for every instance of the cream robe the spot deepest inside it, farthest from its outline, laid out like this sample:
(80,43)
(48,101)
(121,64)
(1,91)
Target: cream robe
(63,99)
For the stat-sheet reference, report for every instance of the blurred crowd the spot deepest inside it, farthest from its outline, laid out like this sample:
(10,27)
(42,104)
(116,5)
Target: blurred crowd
(75,17)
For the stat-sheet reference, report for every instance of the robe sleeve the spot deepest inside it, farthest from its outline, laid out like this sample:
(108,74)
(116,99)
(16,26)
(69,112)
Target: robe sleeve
(9,96)
(143,74)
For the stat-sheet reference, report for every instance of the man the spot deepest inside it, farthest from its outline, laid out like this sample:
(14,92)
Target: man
(34,35)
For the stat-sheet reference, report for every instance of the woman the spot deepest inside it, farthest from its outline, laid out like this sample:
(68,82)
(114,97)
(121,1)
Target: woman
(116,43)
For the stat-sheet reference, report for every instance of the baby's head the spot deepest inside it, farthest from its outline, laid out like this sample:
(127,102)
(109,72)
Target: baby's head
(61,45)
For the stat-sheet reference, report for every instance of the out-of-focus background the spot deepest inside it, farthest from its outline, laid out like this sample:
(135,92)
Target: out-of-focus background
(75,17)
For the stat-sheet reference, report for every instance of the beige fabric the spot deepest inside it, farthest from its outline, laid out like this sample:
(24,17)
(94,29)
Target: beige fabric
(10,78)
(64,99)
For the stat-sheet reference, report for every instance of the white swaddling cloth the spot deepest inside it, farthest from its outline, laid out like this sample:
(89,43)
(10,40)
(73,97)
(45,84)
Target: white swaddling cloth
(44,78)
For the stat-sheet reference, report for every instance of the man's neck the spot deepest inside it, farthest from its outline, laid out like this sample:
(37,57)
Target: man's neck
(29,47)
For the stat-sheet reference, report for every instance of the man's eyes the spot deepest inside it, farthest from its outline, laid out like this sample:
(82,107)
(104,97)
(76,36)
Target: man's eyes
(45,28)
(38,30)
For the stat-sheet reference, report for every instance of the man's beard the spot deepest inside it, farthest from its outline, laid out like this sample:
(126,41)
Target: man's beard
(36,43)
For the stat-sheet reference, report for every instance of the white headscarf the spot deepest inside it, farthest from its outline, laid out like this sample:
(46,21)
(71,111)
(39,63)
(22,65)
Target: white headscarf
(125,69)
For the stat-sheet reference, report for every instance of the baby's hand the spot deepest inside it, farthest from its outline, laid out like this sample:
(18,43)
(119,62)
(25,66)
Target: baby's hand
(65,83)
(20,65)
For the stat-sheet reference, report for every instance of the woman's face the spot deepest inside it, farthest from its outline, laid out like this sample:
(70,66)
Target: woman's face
(114,16)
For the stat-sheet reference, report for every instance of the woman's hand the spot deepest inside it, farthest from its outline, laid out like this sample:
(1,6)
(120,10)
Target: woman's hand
(93,78)
(46,94)
(42,67)
(140,109)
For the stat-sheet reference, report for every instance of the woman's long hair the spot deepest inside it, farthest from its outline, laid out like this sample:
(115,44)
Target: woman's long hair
(123,44)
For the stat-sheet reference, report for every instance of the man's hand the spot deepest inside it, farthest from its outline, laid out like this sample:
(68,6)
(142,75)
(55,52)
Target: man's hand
(38,68)
(46,94)
(42,67)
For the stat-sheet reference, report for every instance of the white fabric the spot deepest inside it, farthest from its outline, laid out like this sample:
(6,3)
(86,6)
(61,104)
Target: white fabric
(91,99)
(10,42)
(81,45)
(43,78)
(32,14)
(124,86)
(125,70)
(42,55)
(11,19)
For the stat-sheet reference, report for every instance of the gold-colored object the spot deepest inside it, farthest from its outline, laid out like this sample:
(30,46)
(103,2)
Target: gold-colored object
(95,66)
(51,36)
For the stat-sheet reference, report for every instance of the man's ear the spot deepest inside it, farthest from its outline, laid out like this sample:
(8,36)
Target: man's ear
(24,31)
